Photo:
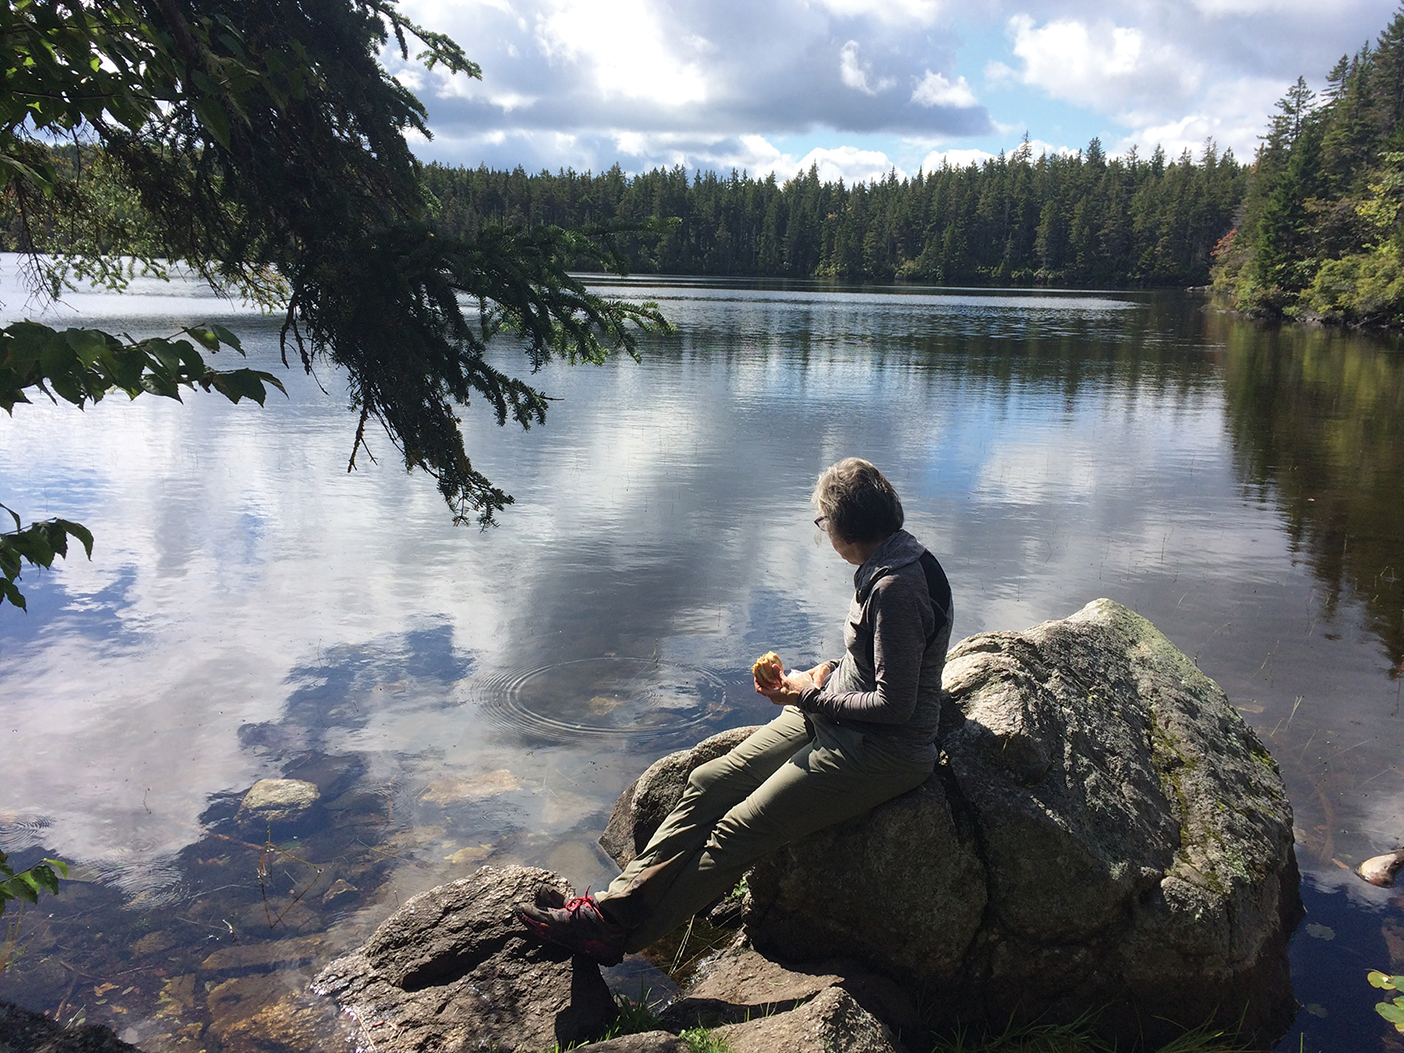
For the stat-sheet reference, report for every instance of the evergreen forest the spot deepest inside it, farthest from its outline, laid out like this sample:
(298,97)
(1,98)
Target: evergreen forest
(1310,229)
(1084,219)
(1320,235)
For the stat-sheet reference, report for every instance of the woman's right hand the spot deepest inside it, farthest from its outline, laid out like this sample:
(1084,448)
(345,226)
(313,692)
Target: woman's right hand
(821,672)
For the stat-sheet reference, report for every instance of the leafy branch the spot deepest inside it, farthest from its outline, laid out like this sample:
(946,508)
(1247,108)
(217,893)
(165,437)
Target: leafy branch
(81,366)
(27,884)
(263,144)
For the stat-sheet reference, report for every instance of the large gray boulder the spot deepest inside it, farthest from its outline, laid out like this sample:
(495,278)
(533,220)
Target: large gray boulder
(1105,832)
(454,969)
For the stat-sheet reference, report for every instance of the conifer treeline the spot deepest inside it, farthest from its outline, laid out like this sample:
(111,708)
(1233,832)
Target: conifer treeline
(1321,233)
(1082,219)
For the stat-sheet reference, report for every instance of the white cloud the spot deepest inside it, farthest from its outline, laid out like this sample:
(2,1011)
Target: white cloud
(1099,66)
(510,100)
(1220,8)
(998,74)
(855,75)
(848,163)
(936,90)
(901,12)
(1129,71)
(754,154)
(1237,118)
(955,158)
(625,45)
(959,158)
(597,68)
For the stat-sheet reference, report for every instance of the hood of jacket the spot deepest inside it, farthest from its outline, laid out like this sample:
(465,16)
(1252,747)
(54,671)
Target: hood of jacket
(896,552)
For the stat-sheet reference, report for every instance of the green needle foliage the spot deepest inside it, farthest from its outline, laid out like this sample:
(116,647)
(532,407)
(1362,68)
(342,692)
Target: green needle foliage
(263,144)
(1321,235)
(1018,219)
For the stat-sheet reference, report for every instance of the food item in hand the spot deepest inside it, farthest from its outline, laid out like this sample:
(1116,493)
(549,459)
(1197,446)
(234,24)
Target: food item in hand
(769,671)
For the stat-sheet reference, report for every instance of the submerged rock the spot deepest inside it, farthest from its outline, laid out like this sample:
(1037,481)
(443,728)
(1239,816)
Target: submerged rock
(250,1014)
(276,803)
(1380,870)
(449,789)
(1104,832)
(454,969)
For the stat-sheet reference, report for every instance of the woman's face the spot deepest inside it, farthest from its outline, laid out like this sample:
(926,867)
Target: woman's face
(855,552)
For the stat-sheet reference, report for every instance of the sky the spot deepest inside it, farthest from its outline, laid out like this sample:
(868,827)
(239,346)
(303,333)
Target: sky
(860,87)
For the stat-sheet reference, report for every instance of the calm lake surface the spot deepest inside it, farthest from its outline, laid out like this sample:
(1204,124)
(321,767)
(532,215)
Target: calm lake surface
(252,610)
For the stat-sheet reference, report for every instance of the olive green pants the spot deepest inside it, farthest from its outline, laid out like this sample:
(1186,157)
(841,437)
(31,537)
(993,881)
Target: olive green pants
(777,786)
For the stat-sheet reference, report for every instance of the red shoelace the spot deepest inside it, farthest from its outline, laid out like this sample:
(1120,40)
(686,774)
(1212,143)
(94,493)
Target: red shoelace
(586,900)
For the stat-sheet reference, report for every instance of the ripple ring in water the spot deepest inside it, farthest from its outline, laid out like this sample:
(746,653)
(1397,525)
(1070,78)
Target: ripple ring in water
(601,696)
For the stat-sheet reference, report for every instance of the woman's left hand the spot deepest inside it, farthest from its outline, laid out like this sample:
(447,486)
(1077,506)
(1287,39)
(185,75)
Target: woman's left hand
(788,693)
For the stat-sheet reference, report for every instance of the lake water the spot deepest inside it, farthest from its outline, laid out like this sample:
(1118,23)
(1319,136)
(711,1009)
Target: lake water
(252,610)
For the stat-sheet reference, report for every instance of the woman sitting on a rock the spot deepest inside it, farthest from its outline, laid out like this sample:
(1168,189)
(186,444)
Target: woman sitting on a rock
(852,734)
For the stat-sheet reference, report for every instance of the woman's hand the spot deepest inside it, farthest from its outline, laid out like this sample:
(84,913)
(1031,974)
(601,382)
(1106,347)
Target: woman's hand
(788,693)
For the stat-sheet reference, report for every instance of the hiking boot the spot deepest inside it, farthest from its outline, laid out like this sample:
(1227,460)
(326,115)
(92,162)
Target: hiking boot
(578,925)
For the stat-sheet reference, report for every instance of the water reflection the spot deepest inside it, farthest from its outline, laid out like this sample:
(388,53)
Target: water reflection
(252,611)
(605,696)
(1318,423)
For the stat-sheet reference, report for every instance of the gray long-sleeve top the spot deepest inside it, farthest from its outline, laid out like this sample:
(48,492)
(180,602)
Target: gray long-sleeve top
(888,683)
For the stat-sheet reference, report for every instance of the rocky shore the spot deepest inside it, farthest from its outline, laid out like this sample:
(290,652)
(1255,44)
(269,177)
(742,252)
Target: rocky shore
(1104,833)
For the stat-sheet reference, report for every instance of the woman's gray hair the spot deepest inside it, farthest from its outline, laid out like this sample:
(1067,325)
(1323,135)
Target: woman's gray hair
(857,501)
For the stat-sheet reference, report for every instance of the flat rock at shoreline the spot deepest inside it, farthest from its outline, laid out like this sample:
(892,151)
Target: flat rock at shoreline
(453,968)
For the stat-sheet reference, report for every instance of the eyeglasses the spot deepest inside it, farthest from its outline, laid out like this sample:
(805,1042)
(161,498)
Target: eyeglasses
(822,522)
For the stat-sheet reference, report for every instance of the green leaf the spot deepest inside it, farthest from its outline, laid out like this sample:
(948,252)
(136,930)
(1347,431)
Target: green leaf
(25,887)
(42,876)
(1380,980)
(88,345)
(207,337)
(236,384)
(82,533)
(213,117)
(160,385)
(1393,1013)
(9,591)
(227,338)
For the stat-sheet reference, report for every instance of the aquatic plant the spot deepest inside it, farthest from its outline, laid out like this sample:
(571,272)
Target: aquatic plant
(24,886)
(1393,1010)
(27,884)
